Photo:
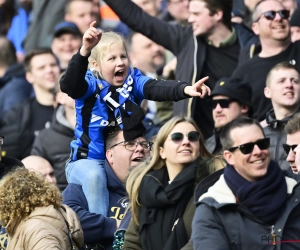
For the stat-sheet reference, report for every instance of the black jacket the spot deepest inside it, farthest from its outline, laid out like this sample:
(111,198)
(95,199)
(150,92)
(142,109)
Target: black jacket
(17,128)
(18,139)
(53,144)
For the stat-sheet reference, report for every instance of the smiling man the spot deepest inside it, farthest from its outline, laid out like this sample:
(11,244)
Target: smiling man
(121,157)
(252,205)
(66,42)
(271,24)
(283,88)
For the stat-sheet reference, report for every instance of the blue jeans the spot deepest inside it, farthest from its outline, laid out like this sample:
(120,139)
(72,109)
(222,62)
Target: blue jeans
(90,174)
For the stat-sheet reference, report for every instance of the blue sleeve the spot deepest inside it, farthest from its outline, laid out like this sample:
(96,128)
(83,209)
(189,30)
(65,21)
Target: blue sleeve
(18,29)
(96,227)
(139,83)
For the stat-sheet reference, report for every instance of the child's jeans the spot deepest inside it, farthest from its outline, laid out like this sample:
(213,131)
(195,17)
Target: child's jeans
(90,174)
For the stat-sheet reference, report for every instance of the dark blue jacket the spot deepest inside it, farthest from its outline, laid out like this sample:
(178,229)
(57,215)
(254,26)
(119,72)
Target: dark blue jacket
(14,88)
(98,228)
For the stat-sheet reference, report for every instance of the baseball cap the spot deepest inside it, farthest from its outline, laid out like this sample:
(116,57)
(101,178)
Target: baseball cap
(66,27)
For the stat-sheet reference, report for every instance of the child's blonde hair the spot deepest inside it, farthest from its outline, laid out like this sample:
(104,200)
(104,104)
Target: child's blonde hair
(107,39)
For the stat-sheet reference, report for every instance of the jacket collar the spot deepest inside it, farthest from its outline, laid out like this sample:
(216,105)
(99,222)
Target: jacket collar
(273,122)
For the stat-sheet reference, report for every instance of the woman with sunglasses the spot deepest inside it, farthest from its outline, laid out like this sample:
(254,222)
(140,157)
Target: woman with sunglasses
(161,190)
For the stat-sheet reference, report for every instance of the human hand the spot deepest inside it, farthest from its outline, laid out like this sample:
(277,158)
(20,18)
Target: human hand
(198,89)
(169,68)
(90,39)
(297,160)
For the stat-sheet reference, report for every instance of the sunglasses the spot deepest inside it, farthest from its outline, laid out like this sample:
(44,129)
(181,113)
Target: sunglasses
(224,103)
(287,148)
(247,148)
(192,136)
(270,15)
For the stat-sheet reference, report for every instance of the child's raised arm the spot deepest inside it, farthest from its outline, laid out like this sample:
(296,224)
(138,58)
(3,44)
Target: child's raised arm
(90,39)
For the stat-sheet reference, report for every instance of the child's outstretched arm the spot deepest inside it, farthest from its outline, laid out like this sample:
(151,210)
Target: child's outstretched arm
(198,89)
(90,39)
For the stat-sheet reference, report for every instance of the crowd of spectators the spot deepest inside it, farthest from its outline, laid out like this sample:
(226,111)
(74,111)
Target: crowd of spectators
(208,156)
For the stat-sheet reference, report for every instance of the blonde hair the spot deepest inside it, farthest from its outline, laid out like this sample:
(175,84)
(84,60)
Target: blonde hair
(156,162)
(107,39)
(21,191)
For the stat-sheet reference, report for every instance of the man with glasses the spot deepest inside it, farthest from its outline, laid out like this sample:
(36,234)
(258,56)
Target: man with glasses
(230,98)
(271,24)
(252,205)
(283,88)
(121,157)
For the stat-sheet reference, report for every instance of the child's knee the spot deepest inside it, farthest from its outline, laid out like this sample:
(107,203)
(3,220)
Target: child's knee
(97,176)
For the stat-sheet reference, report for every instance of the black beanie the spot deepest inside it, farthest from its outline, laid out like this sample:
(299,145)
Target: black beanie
(236,89)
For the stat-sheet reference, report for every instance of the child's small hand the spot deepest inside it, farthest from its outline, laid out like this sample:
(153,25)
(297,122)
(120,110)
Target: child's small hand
(90,39)
(198,89)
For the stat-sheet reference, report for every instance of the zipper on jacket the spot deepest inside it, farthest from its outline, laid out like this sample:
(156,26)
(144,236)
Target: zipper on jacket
(273,235)
(175,223)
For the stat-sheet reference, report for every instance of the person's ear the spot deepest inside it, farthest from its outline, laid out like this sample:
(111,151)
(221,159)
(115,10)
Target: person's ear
(96,66)
(29,77)
(267,92)
(162,153)
(228,156)
(245,109)
(255,28)
(109,157)
(218,15)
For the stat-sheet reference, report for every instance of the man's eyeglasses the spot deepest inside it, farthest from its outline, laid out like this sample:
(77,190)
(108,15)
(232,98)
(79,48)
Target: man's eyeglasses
(178,1)
(224,103)
(247,148)
(287,148)
(1,140)
(132,145)
(270,15)
(192,136)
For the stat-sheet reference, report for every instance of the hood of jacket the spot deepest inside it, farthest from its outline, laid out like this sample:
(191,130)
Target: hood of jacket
(52,216)
(113,182)
(60,123)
